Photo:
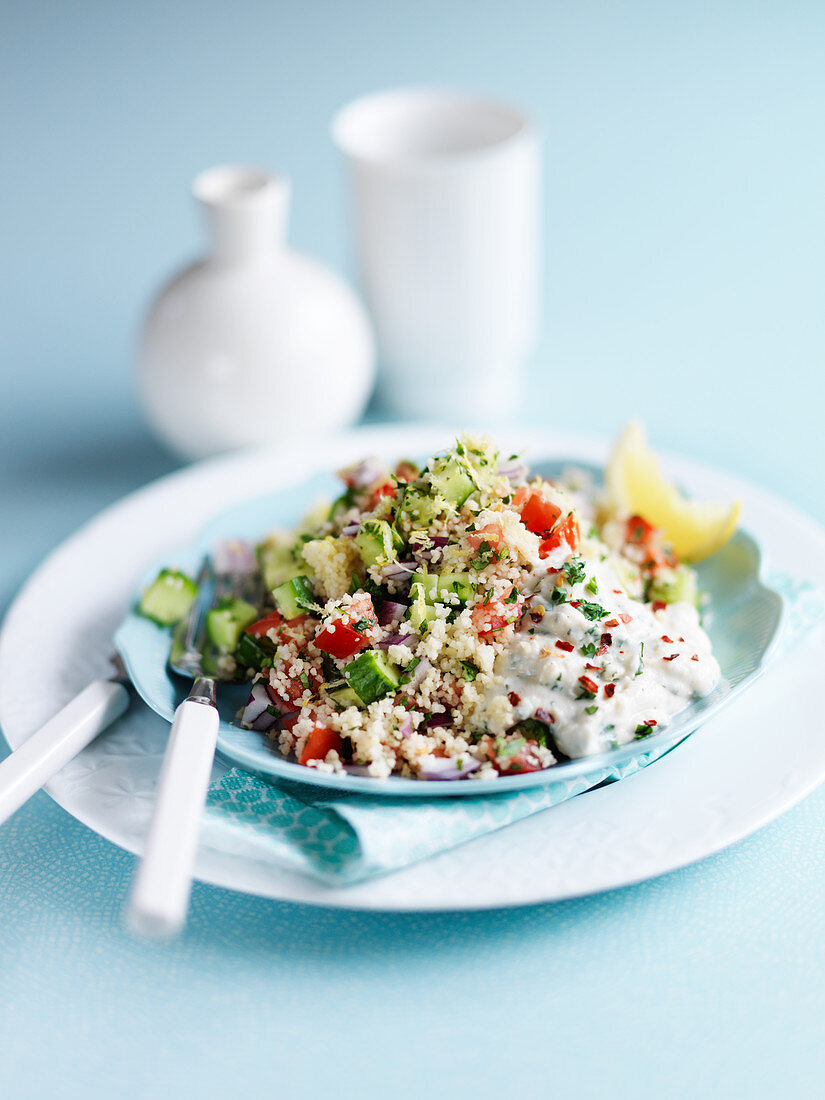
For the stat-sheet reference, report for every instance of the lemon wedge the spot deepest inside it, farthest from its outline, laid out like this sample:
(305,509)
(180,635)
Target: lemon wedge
(636,486)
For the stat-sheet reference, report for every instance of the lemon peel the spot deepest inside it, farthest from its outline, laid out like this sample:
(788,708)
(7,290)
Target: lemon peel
(636,485)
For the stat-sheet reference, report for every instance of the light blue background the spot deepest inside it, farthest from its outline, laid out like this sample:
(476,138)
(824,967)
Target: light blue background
(684,255)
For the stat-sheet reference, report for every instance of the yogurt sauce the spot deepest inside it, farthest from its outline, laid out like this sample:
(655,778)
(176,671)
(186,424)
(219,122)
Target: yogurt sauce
(606,671)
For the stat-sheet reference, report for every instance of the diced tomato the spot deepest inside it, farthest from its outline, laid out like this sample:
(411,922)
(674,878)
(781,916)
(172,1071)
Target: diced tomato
(286,630)
(268,622)
(638,532)
(406,471)
(490,532)
(319,742)
(340,640)
(385,489)
(361,607)
(525,760)
(567,531)
(495,614)
(538,514)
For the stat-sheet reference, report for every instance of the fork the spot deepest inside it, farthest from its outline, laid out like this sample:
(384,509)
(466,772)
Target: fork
(160,894)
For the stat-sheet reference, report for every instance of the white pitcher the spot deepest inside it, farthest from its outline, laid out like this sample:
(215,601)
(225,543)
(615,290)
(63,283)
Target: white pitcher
(256,343)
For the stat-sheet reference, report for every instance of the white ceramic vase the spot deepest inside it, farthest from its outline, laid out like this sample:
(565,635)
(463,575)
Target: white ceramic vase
(256,343)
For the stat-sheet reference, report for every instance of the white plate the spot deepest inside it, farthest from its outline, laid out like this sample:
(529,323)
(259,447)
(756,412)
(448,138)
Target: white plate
(742,769)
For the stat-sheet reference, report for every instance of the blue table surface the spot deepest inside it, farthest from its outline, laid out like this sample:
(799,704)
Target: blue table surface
(685,233)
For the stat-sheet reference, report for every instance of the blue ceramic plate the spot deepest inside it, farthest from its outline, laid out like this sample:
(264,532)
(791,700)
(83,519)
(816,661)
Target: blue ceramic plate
(743,626)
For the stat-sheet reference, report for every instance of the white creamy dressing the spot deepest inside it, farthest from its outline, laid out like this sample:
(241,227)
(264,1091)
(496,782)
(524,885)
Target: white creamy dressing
(536,675)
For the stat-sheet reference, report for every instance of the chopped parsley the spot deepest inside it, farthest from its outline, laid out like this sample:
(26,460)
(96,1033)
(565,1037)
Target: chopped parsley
(559,596)
(643,730)
(574,570)
(591,586)
(512,597)
(591,710)
(304,680)
(592,610)
(589,649)
(641,667)
(470,670)
(361,625)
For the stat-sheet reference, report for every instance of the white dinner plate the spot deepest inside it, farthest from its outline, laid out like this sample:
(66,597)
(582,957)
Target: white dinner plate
(739,771)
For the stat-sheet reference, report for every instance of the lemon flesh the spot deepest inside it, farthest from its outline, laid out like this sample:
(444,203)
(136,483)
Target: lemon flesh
(636,486)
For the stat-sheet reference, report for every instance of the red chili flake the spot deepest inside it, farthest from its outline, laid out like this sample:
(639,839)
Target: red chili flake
(566,646)
(681,639)
(695,657)
(609,689)
(596,668)
(606,639)
(666,639)
(588,684)
(659,605)
(672,657)
(649,722)
(611,622)
(514,699)
(617,591)
(575,603)
(625,619)
(537,615)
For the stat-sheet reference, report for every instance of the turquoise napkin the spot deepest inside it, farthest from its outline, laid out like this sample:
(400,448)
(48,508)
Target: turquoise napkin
(345,838)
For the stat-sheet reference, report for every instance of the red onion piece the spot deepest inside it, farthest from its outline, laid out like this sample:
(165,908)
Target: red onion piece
(234,556)
(256,704)
(398,639)
(545,716)
(442,767)
(356,769)
(405,729)
(438,720)
(399,572)
(350,529)
(426,552)
(419,672)
(363,473)
(391,611)
(514,470)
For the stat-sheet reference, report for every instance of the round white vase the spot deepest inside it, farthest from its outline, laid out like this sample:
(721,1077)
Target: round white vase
(256,343)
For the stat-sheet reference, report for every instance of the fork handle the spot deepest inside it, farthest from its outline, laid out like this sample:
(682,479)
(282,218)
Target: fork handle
(160,895)
(59,741)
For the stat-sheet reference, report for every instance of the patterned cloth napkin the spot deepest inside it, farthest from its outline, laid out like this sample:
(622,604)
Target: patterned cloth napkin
(342,838)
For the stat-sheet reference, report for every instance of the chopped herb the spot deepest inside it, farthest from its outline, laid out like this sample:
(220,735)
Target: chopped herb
(559,596)
(512,458)
(589,649)
(591,586)
(512,597)
(592,610)
(641,667)
(470,670)
(591,710)
(361,625)
(574,570)
(304,680)
(593,533)
(643,730)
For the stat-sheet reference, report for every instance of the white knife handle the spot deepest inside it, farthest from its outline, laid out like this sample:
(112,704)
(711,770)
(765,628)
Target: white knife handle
(55,744)
(160,895)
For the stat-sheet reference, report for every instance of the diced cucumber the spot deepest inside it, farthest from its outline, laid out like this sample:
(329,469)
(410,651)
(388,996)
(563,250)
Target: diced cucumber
(253,652)
(278,561)
(341,694)
(377,541)
(419,505)
(295,597)
(371,676)
(420,612)
(169,597)
(445,587)
(226,622)
(451,481)
(673,585)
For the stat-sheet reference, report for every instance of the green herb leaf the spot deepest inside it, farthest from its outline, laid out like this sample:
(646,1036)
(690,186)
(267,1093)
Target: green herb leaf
(574,570)
(592,610)
(589,649)
(591,710)
(470,671)
(591,586)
